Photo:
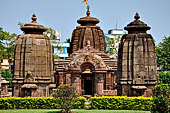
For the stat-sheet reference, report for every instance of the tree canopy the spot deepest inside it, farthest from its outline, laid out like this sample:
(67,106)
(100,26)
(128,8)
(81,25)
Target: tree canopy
(113,46)
(7,44)
(163,54)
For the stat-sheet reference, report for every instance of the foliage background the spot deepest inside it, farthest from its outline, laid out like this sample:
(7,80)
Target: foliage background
(7,44)
(163,54)
(161,99)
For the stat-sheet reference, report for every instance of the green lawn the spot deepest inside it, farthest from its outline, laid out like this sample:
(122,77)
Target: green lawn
(75,111)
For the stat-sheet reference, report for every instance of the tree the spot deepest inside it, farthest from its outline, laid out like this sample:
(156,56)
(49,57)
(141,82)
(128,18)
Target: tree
(113,43)
(7,44)
(161,99)
(66,96)
(55,56)
(163,54)
(51,33)
(164,77)
(21,24)
(7,74)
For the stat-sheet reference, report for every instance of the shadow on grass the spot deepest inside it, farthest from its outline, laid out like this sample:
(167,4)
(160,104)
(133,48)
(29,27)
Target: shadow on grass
(58,112)
(54,112)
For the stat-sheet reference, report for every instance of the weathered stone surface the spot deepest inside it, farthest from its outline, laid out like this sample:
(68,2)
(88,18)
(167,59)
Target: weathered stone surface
(136,61)
(33,61)
(87,31)
(88,67)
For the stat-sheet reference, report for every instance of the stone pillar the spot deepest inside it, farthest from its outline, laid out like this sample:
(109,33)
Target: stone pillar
(61,80)
(75,80)
(68,78)
(99,82)
(125,90)
(17,90)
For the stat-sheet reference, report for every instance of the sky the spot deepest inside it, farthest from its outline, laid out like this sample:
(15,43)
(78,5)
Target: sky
(62,15)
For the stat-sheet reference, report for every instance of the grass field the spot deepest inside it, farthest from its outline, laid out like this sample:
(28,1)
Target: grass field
(75,111)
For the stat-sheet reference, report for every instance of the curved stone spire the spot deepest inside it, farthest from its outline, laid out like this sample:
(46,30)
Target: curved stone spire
(137,69)
(88,31)
(33,27)
(137,26)
(33,63)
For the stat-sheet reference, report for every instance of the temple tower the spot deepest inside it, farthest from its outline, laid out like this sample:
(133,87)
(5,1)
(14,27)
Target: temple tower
(87,31)
(88,68)
(137,68)
(33,64)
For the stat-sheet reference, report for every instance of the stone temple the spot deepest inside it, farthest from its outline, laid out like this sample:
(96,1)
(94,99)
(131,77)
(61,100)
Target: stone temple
(88,67)
(33,64)
(137,68)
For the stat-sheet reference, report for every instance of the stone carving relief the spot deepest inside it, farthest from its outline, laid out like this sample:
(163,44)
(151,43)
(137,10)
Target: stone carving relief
(95,60)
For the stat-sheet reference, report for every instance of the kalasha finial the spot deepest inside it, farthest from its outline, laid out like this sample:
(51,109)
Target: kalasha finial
(137,16)
(34,18)
(88,10)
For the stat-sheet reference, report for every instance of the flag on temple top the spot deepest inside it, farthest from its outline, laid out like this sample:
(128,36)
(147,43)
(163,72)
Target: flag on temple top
(86,2)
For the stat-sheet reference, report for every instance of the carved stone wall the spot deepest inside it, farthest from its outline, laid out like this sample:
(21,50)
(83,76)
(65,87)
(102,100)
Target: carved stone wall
(137,68)
(88,65)
(33,63)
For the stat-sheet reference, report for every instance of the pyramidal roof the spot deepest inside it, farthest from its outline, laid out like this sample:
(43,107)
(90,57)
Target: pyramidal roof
(88,20)
(137,25)
(33,26)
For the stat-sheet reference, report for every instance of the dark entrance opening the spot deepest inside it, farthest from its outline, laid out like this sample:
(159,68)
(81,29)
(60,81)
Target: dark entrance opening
(87,84)
(27,92)
(87,79)
(88,87)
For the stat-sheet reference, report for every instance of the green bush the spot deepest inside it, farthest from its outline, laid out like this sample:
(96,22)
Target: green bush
(35,103)
(80,103)
(164,77)
(121,103)
(7,74)
(161,97)
(106,102)
(66,97)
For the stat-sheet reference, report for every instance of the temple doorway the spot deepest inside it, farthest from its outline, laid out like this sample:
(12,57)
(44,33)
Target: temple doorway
(88,87)
(87,84)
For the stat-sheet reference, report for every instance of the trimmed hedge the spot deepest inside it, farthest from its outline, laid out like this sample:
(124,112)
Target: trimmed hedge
(106,102)
(35,103)
(121,103)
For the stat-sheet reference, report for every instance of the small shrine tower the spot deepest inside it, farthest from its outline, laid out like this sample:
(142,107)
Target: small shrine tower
(137,68)
(33,63)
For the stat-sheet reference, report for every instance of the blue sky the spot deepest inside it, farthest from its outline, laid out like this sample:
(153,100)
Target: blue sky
(62,15)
